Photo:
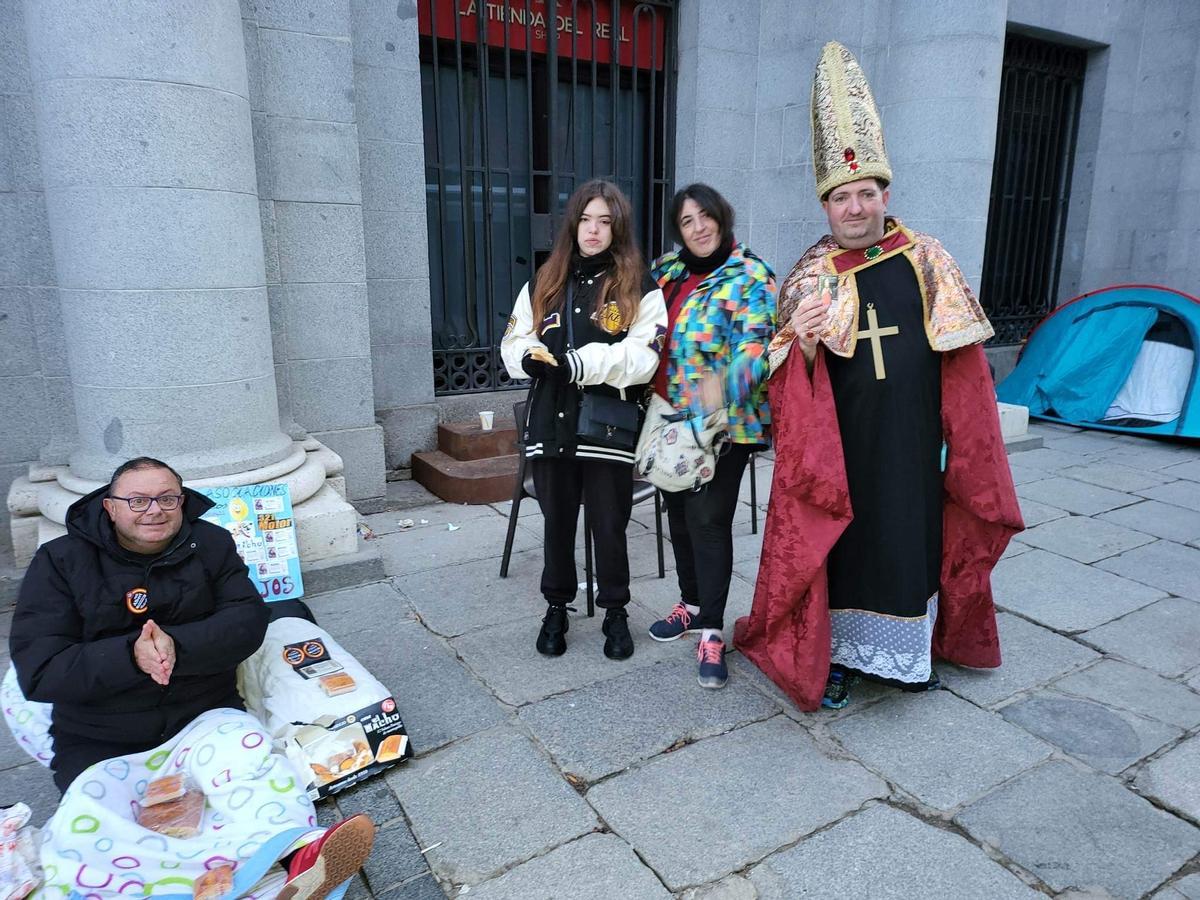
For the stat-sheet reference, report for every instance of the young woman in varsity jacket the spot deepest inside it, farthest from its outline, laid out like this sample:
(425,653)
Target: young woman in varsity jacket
(592,321)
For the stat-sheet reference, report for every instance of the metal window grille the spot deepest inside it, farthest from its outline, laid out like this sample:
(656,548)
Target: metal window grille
(1040,93)
(523,100)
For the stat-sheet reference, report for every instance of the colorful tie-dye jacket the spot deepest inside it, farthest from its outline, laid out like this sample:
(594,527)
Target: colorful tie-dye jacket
(725,326)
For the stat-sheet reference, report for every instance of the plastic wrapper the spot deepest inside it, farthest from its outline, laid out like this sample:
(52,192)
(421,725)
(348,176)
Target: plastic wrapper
(340,683)
(164,790)
(172,806)
(337,724)
(213,884)
(20,872)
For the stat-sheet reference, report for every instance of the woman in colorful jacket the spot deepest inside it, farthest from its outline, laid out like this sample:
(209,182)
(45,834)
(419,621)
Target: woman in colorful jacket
(590,322)
(721,317)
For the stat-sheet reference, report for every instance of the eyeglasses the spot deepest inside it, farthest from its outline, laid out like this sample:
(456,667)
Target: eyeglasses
(166,502)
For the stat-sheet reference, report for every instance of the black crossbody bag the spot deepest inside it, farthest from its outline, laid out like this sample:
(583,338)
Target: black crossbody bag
(603,421)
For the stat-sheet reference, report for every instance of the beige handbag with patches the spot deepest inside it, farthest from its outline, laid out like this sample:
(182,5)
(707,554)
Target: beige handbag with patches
(677,451)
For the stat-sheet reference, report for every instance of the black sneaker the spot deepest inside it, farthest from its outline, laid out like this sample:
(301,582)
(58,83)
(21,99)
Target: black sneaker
(837,689)
(552,639)
(618,642)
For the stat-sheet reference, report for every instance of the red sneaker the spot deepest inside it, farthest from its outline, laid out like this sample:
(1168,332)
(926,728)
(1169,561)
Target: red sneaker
(317,868)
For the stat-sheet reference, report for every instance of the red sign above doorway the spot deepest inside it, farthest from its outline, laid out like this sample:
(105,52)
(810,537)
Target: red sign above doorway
(584,29)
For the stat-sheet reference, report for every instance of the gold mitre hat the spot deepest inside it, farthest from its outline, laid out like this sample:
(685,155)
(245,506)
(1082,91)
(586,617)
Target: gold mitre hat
(847,136)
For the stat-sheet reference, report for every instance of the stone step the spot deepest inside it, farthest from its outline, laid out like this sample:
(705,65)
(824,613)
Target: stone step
(466,440)
(1022,442)
(466,481)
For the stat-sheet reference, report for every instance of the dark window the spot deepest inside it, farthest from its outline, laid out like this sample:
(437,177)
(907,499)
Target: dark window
(1031,182)
(517,111)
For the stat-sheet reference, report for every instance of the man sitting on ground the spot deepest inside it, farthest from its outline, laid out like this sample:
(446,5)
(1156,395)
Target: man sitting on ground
(132,626)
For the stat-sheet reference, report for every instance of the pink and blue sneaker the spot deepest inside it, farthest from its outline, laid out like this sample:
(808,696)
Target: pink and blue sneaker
(675,625)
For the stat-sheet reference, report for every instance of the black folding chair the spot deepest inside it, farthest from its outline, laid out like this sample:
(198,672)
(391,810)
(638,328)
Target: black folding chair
(524,487)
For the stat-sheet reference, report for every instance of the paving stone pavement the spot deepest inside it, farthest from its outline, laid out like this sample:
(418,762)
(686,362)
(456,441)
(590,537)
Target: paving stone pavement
(922,860)
(1070,771)
(1107,739)
(1078,829)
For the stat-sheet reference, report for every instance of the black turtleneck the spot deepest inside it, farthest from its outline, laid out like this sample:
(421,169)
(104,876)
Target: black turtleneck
(703,265)
(590,266)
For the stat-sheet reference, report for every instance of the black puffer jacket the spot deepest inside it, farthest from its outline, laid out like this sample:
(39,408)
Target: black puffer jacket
(73,632)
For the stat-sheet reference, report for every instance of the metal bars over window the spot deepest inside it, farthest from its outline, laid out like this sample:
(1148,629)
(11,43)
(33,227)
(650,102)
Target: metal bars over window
(1031,181)
(523,100)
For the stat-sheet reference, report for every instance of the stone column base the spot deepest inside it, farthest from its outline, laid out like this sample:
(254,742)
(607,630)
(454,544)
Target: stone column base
(326,524)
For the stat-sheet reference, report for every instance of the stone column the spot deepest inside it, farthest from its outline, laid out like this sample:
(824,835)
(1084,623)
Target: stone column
(302,97)
(148,166)
(387,88)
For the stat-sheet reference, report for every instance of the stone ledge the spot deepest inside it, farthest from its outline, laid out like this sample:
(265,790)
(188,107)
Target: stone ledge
(348,570)
(1023,443)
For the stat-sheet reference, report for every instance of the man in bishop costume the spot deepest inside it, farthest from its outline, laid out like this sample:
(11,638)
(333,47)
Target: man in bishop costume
(892,499)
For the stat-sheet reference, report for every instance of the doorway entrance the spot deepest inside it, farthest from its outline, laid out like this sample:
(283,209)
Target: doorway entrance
(522,101)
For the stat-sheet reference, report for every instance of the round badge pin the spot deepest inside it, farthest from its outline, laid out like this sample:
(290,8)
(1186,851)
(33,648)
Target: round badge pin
(137,601)
(293,655)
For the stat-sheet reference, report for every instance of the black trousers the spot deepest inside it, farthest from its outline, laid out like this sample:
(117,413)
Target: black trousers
(702,535)
(607,489)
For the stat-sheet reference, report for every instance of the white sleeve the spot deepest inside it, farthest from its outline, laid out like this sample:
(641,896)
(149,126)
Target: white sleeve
(519,336)
(629,361)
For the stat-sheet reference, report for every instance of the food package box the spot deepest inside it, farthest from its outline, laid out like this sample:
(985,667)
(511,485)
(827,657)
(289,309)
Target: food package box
(337,724)
(350,749)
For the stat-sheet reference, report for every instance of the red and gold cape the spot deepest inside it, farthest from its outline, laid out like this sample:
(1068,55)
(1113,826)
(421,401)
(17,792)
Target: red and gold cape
(787,634)
(953,317)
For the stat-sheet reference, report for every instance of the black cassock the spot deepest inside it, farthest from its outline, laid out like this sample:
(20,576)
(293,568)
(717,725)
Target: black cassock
(884,571)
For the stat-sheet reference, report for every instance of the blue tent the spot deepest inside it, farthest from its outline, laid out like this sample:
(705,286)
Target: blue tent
(1122,358)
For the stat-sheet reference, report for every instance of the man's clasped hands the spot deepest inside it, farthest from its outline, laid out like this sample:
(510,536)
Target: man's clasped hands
(154,652)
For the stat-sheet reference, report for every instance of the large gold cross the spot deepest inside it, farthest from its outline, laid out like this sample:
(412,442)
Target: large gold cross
(873,333)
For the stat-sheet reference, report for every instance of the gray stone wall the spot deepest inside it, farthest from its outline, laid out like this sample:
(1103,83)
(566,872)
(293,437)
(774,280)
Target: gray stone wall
(743,122)
(716,106)
(387,83)
(940,91)
(29,317)
(1136,185)
(744,112)
(335,98)
(32,358)
(785,214)
(306,136)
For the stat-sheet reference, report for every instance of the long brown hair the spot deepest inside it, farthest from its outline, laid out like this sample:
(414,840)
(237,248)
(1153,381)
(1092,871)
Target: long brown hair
(623,285)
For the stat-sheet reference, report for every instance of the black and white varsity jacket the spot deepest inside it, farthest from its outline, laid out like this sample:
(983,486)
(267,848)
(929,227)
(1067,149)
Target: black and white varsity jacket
(620,365)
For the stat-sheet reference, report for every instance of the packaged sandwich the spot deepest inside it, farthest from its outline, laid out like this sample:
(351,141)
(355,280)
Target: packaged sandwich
(178,818)
(213,884)
(338,683)
(163,790)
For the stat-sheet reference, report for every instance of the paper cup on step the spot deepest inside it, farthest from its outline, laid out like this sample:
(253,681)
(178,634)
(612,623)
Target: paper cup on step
(486,418)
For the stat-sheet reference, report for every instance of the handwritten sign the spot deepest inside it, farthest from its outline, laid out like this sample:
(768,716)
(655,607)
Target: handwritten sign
(259,516)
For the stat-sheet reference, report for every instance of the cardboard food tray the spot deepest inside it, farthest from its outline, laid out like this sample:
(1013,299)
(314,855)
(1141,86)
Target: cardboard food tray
(338,753)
